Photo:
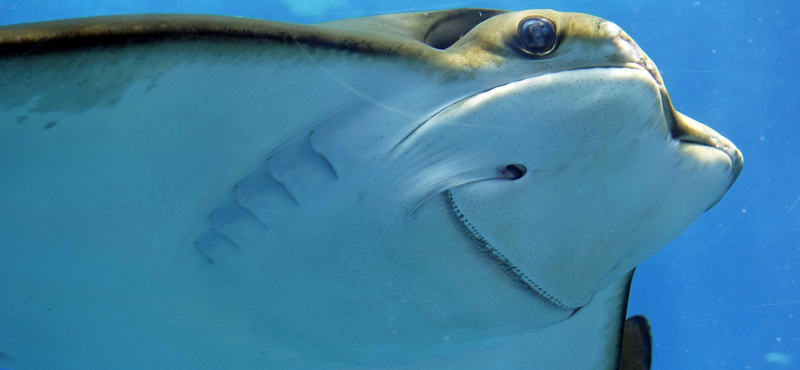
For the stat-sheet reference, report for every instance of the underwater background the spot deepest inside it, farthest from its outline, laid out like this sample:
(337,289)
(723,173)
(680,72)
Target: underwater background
(725,294)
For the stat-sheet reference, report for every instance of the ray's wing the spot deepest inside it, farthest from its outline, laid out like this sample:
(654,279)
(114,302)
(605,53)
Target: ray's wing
(129,144)
(121,135)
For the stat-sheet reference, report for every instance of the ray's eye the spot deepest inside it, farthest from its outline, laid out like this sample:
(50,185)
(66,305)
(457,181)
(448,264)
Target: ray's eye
(537,36)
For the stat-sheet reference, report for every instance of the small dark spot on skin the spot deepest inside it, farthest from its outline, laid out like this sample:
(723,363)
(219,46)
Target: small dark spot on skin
(46,308)
(3,355)
(50,125)
(21,119)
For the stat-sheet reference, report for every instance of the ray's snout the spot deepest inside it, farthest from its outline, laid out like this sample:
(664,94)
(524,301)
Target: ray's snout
(688,130)
(681,127)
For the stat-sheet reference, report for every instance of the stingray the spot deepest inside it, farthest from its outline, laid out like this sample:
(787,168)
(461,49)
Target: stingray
(461,189)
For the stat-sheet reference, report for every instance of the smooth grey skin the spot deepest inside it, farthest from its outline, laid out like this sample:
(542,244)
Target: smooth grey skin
(209,192)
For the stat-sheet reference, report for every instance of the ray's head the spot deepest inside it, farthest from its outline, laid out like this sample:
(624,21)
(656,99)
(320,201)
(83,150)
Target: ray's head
(593,169)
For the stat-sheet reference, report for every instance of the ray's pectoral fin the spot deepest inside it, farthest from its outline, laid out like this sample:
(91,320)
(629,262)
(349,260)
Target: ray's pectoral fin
(636,350)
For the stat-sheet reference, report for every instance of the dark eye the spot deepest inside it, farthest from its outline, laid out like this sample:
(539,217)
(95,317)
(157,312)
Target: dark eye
(537,36)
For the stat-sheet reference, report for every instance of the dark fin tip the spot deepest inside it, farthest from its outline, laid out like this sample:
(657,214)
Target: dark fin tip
(636,352)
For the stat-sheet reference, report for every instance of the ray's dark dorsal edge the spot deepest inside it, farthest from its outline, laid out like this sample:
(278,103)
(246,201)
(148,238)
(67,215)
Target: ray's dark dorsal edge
(437,29)
(465,189)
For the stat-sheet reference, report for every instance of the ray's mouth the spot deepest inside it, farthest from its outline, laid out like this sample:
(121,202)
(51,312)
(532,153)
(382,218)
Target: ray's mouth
(690,132)
(681,127)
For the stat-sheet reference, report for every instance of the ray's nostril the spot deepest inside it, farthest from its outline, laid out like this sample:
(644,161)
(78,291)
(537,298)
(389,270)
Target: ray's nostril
(513,171)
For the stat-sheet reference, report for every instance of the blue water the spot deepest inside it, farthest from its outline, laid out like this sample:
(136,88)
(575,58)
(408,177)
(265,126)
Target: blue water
(725,294)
